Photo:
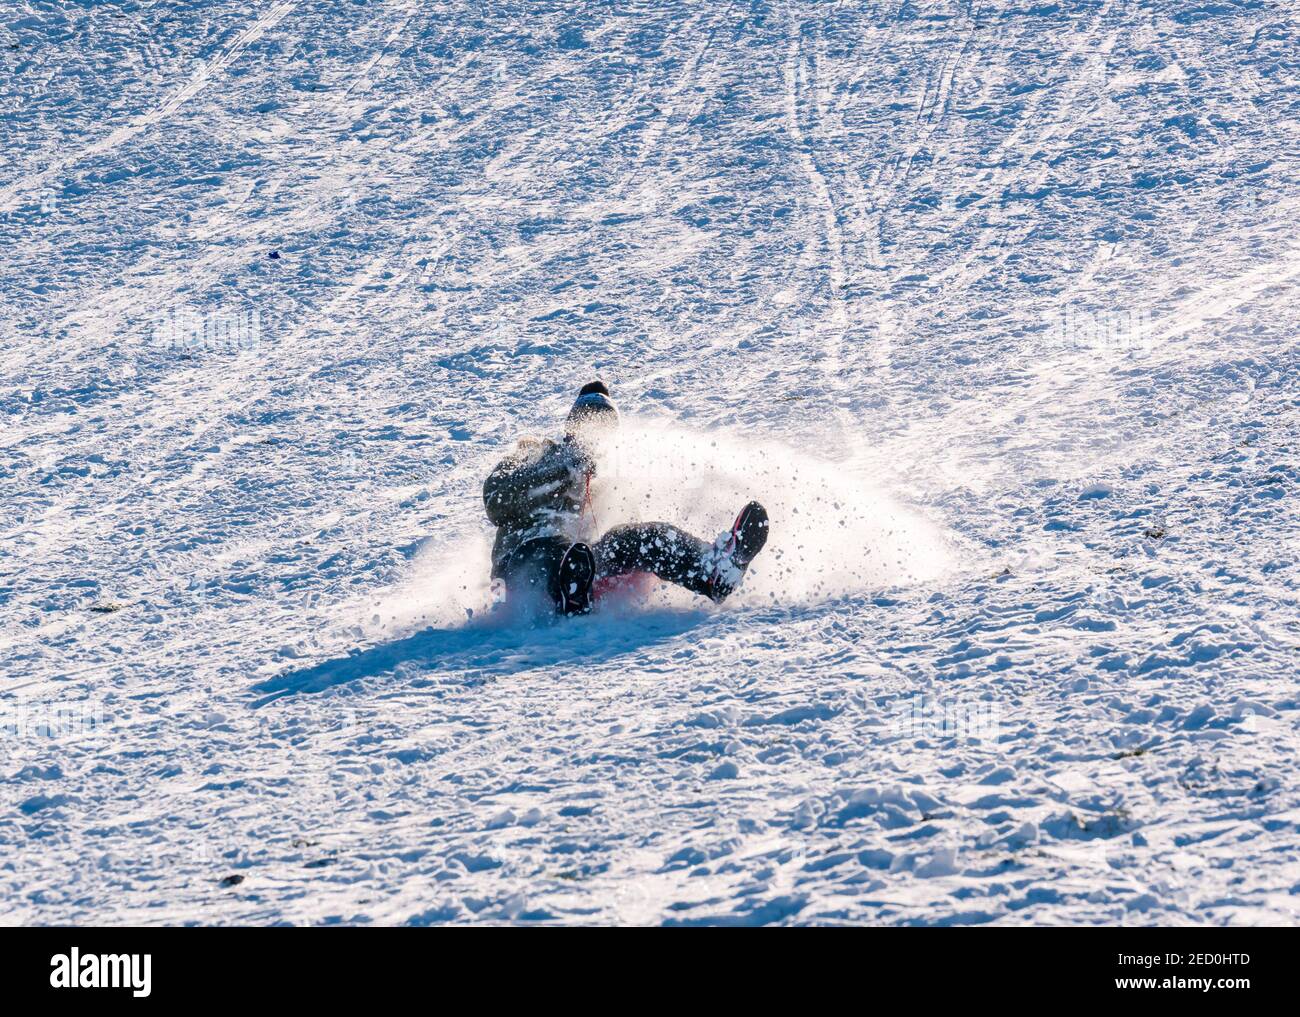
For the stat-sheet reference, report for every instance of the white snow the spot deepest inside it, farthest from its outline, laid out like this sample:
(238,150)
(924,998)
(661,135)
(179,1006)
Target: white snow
(993,306)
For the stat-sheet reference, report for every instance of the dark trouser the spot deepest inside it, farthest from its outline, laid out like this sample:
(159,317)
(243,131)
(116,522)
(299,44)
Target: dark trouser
(532,568)
(669,552)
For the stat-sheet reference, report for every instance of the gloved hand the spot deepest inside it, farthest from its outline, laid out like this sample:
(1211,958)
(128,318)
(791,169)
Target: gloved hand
(579,457)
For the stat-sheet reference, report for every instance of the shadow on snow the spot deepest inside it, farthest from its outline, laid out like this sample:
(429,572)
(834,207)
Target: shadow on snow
(492,648)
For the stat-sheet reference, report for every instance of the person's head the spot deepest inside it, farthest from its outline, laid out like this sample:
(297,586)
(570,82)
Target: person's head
(593,415)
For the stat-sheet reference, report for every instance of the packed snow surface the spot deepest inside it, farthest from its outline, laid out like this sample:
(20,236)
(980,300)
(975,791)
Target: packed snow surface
(993,305)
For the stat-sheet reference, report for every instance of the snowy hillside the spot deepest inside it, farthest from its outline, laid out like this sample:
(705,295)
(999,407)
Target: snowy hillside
(993,304)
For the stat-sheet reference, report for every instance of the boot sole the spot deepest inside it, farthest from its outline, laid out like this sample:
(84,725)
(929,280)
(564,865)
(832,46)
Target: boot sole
(575,575)
(748,536)
(750,533)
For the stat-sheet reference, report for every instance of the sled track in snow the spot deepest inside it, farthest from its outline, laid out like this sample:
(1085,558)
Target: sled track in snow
(161,112)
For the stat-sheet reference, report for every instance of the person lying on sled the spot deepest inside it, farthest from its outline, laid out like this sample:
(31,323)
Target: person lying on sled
(535,498)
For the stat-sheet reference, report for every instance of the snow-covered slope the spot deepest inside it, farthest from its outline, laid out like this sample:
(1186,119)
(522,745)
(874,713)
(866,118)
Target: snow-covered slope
(994,304)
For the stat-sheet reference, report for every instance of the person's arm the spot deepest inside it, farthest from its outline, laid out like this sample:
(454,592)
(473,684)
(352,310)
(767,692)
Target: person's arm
(513,488)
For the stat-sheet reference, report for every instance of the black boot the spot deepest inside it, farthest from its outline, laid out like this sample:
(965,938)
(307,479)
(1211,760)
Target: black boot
(571,585)
(733,551)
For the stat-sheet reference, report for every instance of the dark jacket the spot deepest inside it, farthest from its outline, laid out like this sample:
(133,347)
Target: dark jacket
(536,491)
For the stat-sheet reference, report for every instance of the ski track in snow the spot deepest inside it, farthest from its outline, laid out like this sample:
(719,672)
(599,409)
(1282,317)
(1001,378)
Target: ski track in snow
(817,249)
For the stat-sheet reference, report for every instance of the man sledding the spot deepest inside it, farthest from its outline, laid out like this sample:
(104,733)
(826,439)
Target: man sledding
(535,499)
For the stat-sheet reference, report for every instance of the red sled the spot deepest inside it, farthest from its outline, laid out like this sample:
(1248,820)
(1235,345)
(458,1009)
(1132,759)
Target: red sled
(625,587)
